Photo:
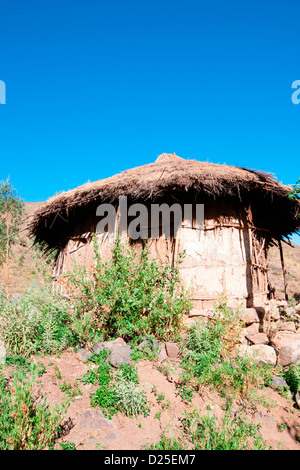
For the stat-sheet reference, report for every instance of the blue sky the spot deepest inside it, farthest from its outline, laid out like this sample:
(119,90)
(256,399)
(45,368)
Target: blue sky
(94,88)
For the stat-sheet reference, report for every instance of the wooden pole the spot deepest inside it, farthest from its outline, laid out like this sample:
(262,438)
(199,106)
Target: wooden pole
(283,270)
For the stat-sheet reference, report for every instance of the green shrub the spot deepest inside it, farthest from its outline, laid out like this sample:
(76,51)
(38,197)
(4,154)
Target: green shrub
(167,443)
(130,295)
(117,390)
(231,433)
(131,400)
(26,423)
(209,358)
(292,377)
(39,321)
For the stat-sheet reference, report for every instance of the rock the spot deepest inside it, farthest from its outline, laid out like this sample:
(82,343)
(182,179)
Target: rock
(282,338)
(152,344)
(289,354)
(145,344)
(2,353)
(109,345)
(258,338)
(287,344)
(118,348)
(84,355)
(297,308)
(272,310)
(162,356)
(289,311)
(260,353)
(249,316)
(93,419)
(288,326)
(278,382)
(119,354)
(97,347)
(172,350)
(249,330)
(116,359)
(263,354)
(252,329)
(118,341)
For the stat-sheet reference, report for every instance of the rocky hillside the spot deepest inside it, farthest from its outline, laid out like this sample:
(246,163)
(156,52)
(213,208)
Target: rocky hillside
(27,266)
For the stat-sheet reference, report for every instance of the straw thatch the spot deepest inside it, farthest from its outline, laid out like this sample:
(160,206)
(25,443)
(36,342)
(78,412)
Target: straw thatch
(170,173)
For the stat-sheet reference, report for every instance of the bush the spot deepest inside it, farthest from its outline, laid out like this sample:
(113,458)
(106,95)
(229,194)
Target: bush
(39,321)
(26,423)
(210,359)
(232,433)
(130,295)
(292,377)
(117,391)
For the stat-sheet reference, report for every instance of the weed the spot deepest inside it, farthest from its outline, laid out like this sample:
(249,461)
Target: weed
(282,427)
(117,391)
(232,433)
(68,445)
(35,322)
(26,423)
(292,377)
(166,443)
(209,359)
(164,369)
(130,399)
(147,297)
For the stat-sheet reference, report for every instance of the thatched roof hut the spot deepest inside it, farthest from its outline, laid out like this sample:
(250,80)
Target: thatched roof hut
(236,200)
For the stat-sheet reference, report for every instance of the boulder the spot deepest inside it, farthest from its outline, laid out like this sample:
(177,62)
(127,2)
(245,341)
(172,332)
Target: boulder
(116,359)
(249,316)
(149,343)
(288,326)
(252,329)
(272,310)
(260,353)
(258,338)
(162,356)
(263,354)
(289,311)
(283,338)
(84,355)
(172,350)
(109,345)
(92,419)
(120,354)
(289,354)
(287,344)
(278,382)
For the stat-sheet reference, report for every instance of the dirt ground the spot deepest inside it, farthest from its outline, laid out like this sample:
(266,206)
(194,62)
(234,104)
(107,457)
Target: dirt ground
(88,429)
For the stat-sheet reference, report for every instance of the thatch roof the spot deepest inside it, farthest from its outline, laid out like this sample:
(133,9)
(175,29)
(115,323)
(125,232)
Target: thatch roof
(169,173)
